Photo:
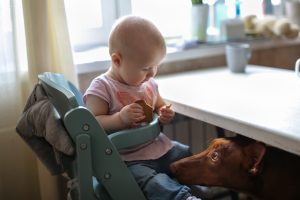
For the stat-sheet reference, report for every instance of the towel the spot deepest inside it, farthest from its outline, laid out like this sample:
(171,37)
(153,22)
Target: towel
(41,128)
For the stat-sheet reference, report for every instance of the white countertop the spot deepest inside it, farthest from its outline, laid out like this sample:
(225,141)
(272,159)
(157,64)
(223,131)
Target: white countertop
(263,103)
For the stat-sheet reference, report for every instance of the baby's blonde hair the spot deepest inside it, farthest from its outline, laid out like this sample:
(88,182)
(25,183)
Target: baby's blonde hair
(133,34)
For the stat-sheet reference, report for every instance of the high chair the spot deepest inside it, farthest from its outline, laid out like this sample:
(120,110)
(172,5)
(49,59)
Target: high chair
(98,170)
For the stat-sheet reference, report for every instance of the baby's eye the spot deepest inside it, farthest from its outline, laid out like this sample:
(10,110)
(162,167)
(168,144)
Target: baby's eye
(146,69)
(214,156)
(149,68)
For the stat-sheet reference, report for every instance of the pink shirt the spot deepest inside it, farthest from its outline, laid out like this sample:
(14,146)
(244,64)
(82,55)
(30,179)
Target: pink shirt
(118,95)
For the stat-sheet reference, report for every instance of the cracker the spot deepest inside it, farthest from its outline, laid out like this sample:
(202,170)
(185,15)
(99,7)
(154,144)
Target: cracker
(148,111)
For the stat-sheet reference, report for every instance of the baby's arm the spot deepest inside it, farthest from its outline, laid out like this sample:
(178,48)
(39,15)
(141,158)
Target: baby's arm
(127,117)
(166,114)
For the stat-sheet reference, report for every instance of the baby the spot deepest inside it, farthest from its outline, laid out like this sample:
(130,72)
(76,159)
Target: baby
(136,48)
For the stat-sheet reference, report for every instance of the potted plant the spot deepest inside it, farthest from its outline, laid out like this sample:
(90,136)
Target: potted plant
(199,19)
(196,2)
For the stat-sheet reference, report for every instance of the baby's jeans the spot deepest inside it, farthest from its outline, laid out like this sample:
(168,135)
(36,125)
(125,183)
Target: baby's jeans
(154,176)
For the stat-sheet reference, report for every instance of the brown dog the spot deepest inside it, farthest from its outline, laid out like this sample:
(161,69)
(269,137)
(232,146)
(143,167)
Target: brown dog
(244,165)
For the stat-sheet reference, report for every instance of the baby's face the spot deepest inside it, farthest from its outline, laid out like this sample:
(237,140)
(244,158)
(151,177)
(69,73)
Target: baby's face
(136,71)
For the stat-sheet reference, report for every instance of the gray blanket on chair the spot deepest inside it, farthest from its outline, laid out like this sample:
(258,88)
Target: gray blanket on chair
(41,129)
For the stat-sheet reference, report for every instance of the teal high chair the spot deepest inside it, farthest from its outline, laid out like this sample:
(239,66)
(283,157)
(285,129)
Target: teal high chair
(97,170)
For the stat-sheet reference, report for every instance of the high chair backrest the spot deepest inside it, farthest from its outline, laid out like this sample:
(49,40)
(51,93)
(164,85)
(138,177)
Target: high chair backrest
(96,152)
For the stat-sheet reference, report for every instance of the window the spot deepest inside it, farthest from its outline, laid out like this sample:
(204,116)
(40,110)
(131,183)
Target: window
(90,20)
(171,17)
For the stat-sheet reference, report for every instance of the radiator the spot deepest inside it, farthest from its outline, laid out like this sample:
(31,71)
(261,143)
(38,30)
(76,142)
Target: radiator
(195,133)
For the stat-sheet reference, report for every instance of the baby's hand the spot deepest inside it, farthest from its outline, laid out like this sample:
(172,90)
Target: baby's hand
(166,114)
(131,114)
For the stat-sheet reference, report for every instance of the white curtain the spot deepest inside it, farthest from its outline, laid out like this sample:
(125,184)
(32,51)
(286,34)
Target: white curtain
(33,39)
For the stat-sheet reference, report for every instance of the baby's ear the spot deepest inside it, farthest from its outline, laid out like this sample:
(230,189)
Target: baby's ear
(255,153)
(116,59)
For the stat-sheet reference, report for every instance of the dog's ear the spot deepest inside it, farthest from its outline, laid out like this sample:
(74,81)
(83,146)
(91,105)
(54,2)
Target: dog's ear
(256,151)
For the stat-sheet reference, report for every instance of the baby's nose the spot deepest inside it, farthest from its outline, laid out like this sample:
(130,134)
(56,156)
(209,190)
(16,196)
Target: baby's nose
(150,74)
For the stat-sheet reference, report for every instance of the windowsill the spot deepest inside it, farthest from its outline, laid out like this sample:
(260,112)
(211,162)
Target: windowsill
(98,59)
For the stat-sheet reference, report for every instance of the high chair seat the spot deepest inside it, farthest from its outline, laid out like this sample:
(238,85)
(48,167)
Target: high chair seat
(97,163)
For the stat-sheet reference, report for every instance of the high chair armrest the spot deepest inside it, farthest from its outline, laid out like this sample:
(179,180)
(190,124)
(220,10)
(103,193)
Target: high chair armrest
(136,136)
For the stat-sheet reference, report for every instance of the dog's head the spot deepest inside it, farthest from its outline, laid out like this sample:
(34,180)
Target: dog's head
(226,162)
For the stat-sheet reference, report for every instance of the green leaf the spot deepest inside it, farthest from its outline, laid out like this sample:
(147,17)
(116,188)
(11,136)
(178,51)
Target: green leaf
(195,2)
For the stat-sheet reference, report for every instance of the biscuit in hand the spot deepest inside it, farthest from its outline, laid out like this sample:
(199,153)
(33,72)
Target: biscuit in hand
(148,111)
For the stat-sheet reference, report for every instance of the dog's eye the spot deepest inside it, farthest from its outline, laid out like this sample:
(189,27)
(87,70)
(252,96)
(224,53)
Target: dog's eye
(214,156)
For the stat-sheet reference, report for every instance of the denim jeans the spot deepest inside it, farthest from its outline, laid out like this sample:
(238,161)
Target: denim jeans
(155,178)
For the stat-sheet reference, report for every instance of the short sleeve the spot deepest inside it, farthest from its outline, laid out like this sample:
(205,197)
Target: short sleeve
(98,87)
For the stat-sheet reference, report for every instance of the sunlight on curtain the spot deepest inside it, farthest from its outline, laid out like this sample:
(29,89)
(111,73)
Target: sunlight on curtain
(47,38)
(8,68)
(33,39)
(18,177)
